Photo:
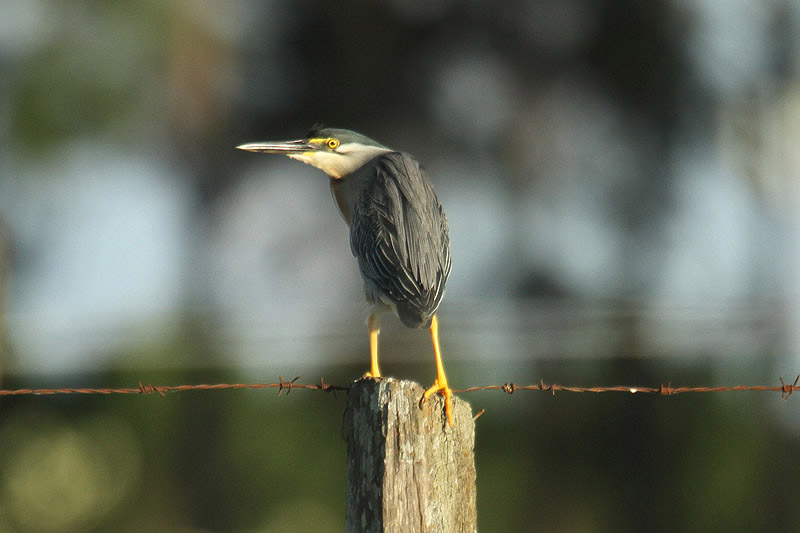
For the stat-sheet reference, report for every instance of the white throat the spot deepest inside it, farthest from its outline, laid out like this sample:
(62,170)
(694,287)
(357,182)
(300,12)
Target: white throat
(344,161)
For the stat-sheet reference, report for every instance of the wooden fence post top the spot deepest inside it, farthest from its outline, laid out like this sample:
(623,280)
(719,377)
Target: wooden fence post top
(407,469)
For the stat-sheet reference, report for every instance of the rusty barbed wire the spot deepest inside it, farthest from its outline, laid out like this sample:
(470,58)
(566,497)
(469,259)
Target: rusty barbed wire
(784,388)
(282,385)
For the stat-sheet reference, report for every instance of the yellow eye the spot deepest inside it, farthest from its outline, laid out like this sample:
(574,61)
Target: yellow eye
(333,144)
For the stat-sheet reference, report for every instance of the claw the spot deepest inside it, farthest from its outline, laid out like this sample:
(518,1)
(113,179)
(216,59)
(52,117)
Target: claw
(445,391)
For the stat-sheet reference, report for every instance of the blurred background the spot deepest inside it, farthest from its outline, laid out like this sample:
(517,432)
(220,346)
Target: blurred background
(622,182)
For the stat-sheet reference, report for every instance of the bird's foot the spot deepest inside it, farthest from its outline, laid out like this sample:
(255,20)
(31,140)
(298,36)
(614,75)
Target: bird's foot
(442,388)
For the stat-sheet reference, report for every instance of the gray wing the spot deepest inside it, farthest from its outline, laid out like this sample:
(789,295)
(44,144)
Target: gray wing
(399,236)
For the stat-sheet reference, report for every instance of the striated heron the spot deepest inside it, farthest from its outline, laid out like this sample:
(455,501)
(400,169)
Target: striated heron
(398,230)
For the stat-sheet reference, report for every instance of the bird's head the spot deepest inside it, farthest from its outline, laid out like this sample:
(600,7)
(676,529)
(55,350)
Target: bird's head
(336,152)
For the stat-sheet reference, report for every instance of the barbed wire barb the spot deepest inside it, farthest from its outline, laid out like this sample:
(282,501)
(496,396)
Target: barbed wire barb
(787,390)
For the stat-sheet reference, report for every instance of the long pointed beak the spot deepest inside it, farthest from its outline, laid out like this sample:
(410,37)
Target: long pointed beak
(283,147)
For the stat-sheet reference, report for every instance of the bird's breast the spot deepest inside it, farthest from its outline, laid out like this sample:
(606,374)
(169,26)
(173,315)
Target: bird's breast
(345,208)
(345,191)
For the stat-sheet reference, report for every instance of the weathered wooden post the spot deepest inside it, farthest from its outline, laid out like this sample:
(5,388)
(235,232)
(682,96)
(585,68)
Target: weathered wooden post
(407,469)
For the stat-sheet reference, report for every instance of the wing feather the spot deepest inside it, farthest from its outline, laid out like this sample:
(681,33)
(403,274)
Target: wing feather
(400,238)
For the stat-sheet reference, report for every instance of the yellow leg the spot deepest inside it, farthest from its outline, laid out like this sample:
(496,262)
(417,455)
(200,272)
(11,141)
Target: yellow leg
(374,331)
(440,385)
